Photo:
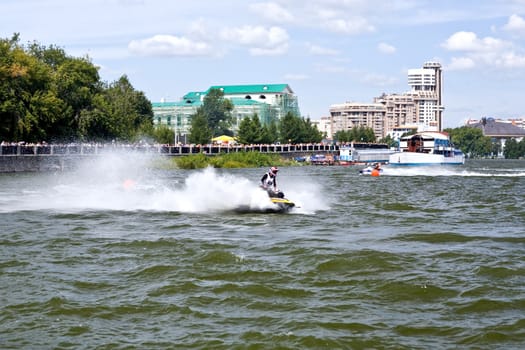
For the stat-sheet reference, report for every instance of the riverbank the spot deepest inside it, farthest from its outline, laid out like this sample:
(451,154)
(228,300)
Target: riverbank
(15,164)
(47,163)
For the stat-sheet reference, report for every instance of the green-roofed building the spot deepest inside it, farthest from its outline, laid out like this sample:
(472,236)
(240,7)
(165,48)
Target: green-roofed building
(269,101)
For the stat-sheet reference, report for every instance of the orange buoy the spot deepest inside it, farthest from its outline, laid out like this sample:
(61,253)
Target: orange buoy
(375,172)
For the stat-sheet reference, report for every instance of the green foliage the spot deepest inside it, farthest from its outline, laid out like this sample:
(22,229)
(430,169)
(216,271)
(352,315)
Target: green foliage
(294,129)
(200,132)
(272,133)
(514,149)
(252,132)
(389,141)
(196,161)
(163,134)
(471,141)
(213,118)
(48,95)
(231,160)
(289,129)
(356,134)
(217,110)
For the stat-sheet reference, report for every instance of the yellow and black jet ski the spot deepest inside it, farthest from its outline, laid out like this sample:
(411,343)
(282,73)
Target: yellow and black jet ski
(281,204)
(277,204)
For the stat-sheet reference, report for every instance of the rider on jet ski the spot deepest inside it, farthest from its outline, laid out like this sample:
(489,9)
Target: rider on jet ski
(269,183)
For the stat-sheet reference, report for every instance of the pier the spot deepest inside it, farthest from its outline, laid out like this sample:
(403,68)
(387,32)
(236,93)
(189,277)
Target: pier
(46,157)
(81,149)
(52,157)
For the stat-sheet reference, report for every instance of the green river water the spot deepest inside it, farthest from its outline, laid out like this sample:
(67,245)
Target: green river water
(116,255)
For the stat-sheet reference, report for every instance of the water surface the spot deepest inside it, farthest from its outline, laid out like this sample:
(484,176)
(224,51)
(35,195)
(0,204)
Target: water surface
(116,255)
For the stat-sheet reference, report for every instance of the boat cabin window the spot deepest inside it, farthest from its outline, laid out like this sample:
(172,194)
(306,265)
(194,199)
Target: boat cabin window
(415,144)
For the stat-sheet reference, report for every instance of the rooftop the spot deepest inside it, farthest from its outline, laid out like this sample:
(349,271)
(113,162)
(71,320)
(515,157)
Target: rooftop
(493,128)
(253,89)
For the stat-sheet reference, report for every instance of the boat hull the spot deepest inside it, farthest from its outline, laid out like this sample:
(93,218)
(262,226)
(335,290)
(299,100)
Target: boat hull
(423,159)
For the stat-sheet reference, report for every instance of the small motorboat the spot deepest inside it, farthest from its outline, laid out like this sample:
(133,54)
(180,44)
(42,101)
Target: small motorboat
(426,148)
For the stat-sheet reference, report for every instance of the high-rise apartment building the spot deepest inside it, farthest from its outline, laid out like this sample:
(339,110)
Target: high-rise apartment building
(421,107)
(427,84)
(346,116)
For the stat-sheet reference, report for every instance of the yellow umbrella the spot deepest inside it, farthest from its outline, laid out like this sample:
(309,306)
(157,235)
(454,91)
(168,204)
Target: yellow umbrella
(223,139)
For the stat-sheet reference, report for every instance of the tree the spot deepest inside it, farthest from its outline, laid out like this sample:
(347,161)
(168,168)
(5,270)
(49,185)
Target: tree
(163,134)
(271,133)
(251,131)
(356,134)
(471,141)
(21,77)
(48,95)
(200,132)
(514,149)
(290,128)
(295,129)
(117,112)
(310,133)
(389,141)
(217,111)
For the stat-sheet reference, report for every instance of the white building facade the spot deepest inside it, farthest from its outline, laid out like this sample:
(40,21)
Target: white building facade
(427,85)
(269,101)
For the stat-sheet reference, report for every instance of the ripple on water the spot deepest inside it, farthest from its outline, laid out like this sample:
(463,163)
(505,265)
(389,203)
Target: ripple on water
(396,262)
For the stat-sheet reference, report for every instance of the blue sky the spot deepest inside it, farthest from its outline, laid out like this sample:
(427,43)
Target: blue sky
(328,51)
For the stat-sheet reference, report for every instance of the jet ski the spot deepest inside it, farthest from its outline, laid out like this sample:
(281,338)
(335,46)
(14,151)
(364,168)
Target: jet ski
(368,170)
(280,204)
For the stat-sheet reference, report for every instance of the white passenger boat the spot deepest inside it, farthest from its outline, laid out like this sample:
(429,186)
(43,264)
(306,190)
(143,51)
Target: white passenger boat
(427,148)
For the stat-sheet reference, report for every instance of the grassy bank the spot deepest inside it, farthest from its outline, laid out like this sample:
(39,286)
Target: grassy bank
(230,160)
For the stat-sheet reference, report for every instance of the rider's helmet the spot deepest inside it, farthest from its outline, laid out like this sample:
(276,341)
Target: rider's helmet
(274,170)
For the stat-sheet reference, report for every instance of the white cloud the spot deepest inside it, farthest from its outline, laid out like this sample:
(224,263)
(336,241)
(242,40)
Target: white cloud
(274,51)
(461,63)
(169,45)
(330,68)
(321,51)
(515,25)
(469,41)
(386,48)
(351,27)
(511,60)
(378,80)
(488,51)
(198,30)
(291,76)
(272,12)
(261,40)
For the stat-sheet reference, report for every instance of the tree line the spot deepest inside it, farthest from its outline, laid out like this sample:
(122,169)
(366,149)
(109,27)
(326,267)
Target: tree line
(474,144)
(47,95)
